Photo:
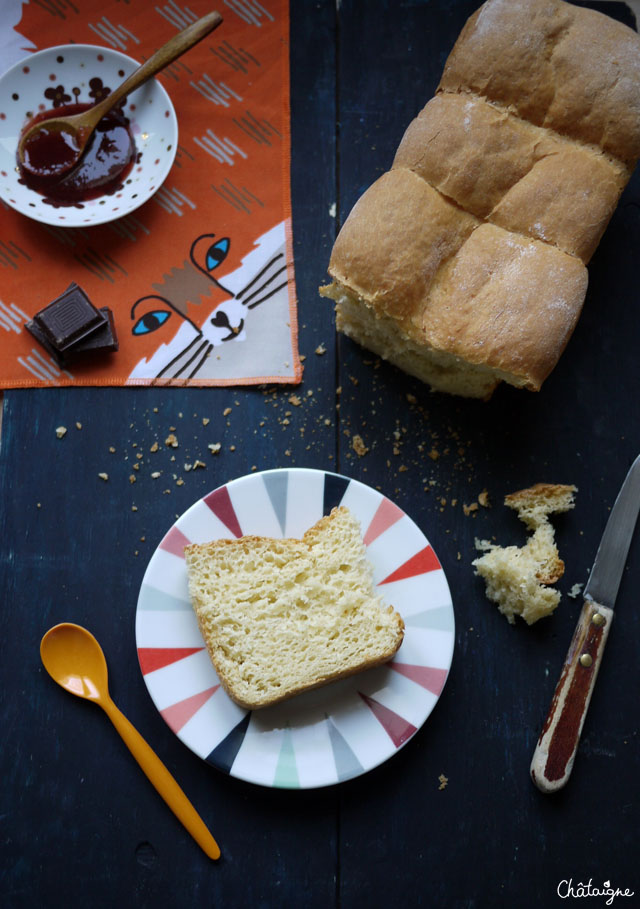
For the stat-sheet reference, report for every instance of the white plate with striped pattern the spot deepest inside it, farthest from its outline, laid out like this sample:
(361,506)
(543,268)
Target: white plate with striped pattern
(330,734)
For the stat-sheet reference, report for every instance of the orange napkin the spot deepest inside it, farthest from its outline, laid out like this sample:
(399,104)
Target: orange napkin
(229,185)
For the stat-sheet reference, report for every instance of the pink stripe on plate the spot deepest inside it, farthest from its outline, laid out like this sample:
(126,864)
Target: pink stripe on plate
(387,514)
(177,715)
(427,676)
(174,542)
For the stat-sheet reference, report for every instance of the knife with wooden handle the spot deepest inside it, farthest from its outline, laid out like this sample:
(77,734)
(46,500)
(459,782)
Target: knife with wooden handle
(556,749)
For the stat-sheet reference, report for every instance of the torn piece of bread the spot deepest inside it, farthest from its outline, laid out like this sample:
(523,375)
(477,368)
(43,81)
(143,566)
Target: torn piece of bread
(464,264)
(517,578)
(535,504)
(281,616)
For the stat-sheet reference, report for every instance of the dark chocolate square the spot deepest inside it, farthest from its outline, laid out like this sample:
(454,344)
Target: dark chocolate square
(102,340)
(70,318)
(41,338)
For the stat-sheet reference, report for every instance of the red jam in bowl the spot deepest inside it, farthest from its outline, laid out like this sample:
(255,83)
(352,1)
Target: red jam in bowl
(102,169)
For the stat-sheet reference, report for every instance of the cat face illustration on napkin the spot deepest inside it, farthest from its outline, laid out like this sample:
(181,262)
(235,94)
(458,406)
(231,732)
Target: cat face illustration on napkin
(203,318)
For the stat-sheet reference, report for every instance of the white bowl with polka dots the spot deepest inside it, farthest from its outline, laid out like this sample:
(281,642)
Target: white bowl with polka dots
(82,73)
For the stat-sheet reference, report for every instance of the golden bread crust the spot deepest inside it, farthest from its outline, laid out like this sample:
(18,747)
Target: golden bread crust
(466,260)
(572,70)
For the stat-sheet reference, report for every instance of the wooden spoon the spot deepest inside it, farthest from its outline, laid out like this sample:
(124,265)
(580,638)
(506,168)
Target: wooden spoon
(74,659)
(67,137)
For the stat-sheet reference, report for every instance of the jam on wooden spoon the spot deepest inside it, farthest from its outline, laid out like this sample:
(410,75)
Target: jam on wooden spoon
(51,147)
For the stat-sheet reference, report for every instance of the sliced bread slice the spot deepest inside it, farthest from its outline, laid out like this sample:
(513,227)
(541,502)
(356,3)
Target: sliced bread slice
(281,616)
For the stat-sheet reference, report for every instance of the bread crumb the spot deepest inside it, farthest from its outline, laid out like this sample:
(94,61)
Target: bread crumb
(78,425)
(434,454)
(156,474)
(358,446)
(104,476)
(205,421)
(443,781)
(197,464)
(469,509)
(214,447)
(295,400)
(61,432)
(171,441)
(132,478)
(226,412)
(483,499)
(321,349)
(154,447)
(575,591)
(112,449)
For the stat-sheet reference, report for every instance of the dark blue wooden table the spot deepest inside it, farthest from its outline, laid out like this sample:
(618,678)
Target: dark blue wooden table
(81,827)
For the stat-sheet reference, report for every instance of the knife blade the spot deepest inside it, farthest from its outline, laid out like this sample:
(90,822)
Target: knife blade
(555,752)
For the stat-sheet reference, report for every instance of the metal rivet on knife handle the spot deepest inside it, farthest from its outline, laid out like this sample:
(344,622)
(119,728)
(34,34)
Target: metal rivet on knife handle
(598,619)
(586,659)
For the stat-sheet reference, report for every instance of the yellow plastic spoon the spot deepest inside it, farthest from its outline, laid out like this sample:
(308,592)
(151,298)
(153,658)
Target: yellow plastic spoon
(74,659)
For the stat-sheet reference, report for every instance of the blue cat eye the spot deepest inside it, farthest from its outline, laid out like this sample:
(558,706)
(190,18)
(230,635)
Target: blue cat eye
(217,253)
(150,321)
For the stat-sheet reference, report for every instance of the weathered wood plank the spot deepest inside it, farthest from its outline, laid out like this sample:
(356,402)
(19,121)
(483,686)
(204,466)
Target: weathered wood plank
(488,838)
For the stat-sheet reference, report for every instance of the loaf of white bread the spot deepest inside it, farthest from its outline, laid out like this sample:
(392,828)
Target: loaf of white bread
(518,578)
(464,265)
(281,616)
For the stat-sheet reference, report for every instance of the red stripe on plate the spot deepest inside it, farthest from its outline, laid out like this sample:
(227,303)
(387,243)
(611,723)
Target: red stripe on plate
(422,562)
(427,676)
(397,728)
(152,658)
(219,501)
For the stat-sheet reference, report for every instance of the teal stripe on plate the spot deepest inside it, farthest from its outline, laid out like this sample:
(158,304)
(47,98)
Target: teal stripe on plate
(153,599)
(440,619)
(286,776)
